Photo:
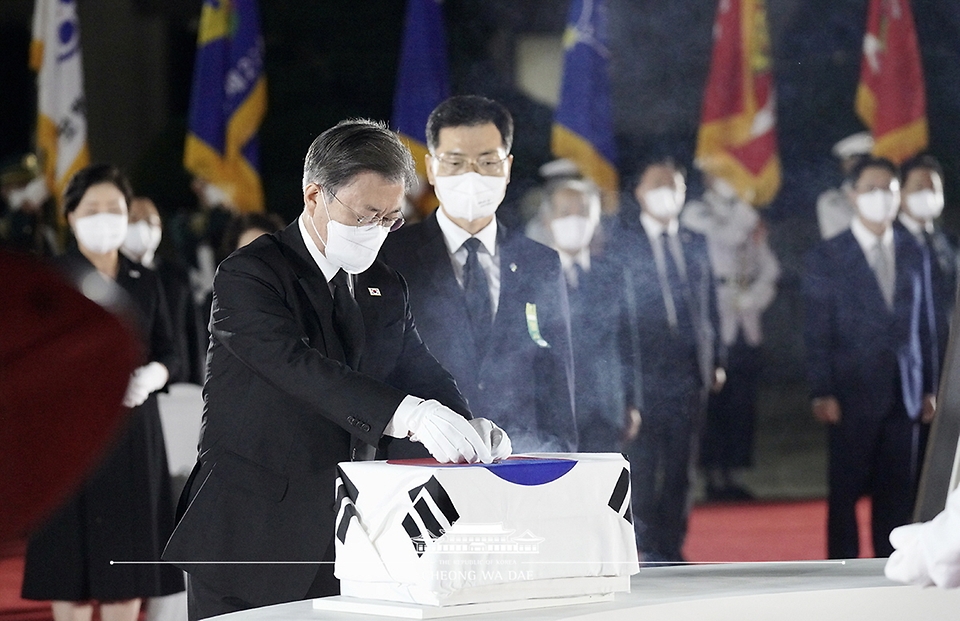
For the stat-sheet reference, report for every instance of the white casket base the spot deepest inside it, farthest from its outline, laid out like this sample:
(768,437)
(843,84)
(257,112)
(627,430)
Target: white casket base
(535,527)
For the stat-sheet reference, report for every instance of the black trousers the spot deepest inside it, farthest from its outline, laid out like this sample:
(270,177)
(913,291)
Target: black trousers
(203,601)
(880,457)
(660,464)
(728,430)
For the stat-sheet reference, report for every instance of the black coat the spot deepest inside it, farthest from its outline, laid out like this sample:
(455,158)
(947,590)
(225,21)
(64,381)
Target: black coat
(522,384)
(600,337)
(856,346)
(282,409)
(651,364)
(124,511)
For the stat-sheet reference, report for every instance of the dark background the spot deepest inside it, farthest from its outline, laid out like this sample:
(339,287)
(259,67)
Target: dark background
(327,60)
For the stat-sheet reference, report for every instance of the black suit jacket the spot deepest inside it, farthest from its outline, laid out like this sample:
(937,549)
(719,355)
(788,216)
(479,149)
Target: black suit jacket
(523,384)
(656,374)
(858,350)
(282,409)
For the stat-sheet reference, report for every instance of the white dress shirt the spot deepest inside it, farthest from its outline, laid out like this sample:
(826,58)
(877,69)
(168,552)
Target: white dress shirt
(916,228)
(569,263)
(868,241)
(326,266)
(655,229)
(487,254)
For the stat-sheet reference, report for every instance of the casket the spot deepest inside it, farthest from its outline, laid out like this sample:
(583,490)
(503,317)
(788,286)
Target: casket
(533,526)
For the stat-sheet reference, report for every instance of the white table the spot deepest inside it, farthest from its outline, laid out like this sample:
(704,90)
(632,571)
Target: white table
(820,591)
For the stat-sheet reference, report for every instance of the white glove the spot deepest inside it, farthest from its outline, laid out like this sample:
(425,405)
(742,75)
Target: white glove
(496,440)
(143,381)
(449,437)
(928,553)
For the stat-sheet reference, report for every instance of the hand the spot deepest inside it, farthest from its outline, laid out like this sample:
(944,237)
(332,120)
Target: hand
(631,425)
(719,379)
(449,437)
(929,409)
(495,439)
(143,381)
(826,410)
(907,563)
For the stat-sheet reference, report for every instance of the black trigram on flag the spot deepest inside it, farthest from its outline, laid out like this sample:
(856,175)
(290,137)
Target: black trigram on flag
(432,514)
(344,507)
(620,499)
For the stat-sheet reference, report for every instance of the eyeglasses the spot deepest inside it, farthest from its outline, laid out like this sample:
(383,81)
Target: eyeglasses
(391,223)
(490,165)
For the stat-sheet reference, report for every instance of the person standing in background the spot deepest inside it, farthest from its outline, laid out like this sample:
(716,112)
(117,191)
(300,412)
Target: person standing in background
(570,214)
(675,353)
(869,361)
(144,232)
(124,511)
(490,303)
(921,203)
(746,273)
(834,210)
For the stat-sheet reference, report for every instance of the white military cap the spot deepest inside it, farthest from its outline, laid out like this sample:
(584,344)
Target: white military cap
(856,144)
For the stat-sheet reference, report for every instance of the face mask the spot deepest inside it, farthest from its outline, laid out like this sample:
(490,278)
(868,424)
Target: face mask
(214,196)
(470,196)
(878,206)
(724,189)
(925,204)
(353,248)
(572,233)
(101,233)
(663,203)
(142,239)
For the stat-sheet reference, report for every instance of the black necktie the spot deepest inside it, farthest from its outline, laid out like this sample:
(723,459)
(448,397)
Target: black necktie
(677,285)
(477,295)
(347,319)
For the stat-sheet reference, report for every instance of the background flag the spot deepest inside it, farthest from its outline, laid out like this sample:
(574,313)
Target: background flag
(61,117)
(228,101)
(583,123)
(737,140)
(890,97)
(423,81)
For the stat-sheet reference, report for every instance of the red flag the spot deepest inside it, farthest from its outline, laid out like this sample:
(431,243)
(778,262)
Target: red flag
(737,139)
(890,97)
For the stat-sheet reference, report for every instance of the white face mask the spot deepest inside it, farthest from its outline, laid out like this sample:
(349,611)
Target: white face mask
(925,205)
(572,233)
(353,248)
(142,239)
(724,188)
(215,196)
(101,233)
(663,203)
(470,196)
(877,206)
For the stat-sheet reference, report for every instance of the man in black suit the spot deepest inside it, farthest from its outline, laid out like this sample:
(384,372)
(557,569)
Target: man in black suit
(676,355)
(869,360)
(921,203)
(314,359)
(490,304)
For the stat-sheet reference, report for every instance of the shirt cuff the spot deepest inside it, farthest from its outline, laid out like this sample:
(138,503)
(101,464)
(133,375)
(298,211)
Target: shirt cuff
(398,425)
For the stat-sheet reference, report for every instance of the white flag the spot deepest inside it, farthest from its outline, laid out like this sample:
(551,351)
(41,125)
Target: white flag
(61,117)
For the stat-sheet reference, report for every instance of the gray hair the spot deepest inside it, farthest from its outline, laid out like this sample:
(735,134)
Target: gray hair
(357,146)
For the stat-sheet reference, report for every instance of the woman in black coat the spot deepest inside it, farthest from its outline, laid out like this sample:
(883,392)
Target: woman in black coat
(124,510)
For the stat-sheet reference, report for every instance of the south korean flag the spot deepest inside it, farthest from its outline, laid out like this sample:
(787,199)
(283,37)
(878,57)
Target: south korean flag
(432,515)
(364,559)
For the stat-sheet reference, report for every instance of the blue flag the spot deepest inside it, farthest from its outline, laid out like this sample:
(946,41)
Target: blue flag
(422,77)
(228,101)
(583,124)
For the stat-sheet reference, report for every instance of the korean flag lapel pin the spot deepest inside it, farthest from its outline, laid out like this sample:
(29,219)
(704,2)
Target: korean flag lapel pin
(374,291)
(513,267)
